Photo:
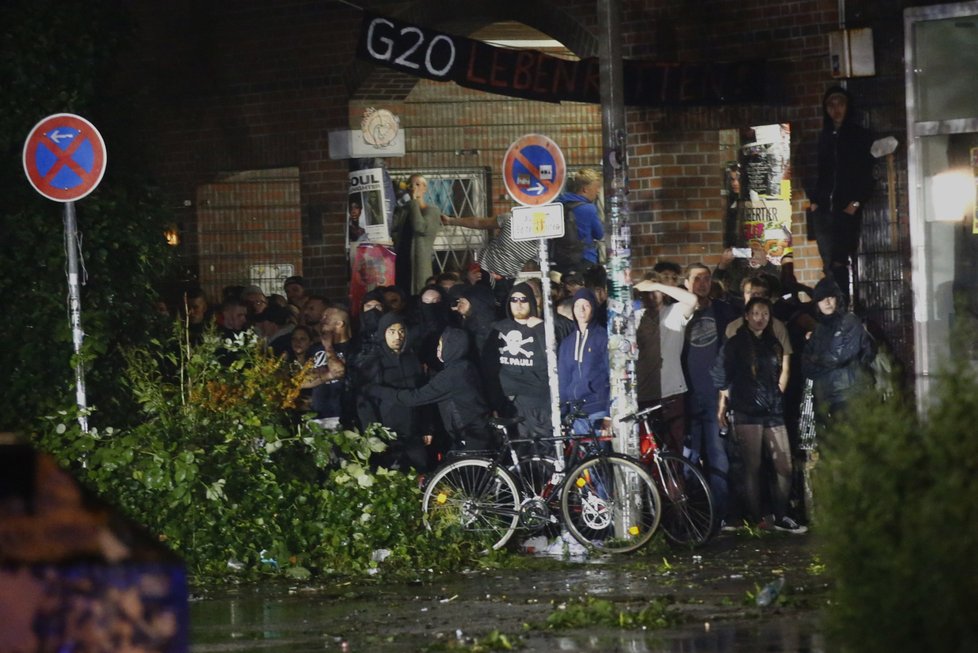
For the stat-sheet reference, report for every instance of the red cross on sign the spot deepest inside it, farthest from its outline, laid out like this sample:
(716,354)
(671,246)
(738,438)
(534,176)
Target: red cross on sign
(64,157)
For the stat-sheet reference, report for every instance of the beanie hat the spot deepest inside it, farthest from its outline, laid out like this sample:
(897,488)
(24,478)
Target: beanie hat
(827,287)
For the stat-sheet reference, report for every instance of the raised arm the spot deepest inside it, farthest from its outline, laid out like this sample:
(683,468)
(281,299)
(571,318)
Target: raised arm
(471,222)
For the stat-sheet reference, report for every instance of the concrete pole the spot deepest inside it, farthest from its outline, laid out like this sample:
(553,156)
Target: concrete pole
(621,327)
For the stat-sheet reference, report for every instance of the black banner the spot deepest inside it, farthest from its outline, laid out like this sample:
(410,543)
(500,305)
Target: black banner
(533,75)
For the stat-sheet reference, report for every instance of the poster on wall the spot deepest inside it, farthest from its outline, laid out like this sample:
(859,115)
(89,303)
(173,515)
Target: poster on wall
(765,174)
(366,212)
(767,162)
(767,224)
(373,265)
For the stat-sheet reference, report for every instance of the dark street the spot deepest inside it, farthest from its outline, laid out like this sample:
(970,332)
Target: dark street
(709,594)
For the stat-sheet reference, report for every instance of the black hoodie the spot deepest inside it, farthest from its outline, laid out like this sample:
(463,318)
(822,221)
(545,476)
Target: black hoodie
(401,370)
(482,312)
(519,352)
(845,165)
(457,389)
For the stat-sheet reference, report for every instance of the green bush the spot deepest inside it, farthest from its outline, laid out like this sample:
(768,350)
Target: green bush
(896,504)
(230,477)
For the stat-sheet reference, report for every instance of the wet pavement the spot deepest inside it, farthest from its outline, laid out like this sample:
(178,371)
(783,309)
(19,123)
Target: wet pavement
(710,594)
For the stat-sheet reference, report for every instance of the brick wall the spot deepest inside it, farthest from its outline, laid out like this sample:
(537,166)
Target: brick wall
(259,85)
(248,220)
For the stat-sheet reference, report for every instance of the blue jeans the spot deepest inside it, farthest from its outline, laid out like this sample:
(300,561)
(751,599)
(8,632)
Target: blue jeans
(707,447)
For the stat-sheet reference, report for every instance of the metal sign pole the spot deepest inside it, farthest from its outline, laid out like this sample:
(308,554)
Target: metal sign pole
(551,341)
(74,309)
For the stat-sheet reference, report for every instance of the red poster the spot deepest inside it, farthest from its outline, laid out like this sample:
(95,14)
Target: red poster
(373,266)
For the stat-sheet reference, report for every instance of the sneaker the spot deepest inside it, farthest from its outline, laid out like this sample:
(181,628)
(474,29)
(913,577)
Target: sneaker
(788,525)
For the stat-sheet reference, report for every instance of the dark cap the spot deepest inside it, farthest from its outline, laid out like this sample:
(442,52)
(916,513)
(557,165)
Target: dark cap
(827,287)
(294,279)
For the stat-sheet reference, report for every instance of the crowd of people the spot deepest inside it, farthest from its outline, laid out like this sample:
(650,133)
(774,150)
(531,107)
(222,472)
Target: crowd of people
(727,364)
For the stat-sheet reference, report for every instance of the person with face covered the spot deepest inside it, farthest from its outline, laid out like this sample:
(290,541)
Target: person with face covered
(429,318)
(476,308)
(395,366)
(456,390)
(515,367)
(582,365)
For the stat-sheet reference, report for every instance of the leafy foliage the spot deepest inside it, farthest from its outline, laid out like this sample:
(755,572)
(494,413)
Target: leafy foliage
(896,502)
(589,611)
(234,480)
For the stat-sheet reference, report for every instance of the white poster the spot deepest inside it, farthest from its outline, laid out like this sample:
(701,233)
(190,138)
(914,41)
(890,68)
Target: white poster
(365,214)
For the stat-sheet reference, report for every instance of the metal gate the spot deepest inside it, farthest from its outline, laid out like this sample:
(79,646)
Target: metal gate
(883,292)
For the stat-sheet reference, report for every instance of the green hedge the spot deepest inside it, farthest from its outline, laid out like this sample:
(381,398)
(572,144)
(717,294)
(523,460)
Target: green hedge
(897,508)
(228,475)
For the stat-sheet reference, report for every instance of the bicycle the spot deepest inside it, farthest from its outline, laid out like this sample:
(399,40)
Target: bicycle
(607,501)
(687,503)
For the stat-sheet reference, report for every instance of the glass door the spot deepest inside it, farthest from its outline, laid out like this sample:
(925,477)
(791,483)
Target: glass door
(942,126)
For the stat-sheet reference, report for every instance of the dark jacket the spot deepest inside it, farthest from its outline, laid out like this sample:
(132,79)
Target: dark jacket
(429,320)
(396,370)
(516,355)
(836,356)
(845,165)
(479,321)
(750,366)
(582,363)
(457,389)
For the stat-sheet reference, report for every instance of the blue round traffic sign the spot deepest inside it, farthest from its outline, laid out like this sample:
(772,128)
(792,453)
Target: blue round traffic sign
(64,157)
(534,170)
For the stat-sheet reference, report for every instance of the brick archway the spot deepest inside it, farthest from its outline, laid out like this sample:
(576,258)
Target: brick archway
(366,81)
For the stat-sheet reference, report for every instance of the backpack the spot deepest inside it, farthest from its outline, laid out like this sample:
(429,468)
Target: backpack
(568,250)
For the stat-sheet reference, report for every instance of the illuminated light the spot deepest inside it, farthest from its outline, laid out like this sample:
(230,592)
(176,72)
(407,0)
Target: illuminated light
(172,236)
(952,196)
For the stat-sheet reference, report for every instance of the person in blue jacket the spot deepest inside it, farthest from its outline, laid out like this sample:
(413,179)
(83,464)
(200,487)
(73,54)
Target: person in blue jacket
(582,365)
(582,191)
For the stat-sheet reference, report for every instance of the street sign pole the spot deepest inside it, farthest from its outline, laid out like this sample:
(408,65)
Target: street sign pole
(74,309)
(533,172)
(64,159)
(551,340)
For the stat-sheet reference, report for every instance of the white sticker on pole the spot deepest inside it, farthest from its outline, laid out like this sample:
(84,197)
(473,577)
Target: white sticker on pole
(535,222)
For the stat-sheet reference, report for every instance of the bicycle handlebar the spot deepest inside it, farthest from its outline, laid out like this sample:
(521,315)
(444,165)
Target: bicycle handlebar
(641,414)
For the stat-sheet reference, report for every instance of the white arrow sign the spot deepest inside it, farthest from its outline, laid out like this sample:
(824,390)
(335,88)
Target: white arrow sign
(536,190)
(57,136)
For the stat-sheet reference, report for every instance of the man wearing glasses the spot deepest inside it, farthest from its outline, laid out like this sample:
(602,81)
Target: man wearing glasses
(518,351)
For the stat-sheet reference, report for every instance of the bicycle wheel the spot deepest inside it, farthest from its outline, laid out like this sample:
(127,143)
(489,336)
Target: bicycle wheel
(476,495)
(610,503)
(536,476)
(687,503)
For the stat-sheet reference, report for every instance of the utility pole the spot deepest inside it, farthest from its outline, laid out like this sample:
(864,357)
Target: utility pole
(622,349)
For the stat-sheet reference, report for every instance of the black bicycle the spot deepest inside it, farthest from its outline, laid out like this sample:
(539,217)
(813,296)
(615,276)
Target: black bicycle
(607,501)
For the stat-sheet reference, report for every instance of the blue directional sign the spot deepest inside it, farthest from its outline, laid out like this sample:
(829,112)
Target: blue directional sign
(534,170)
(64,157)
